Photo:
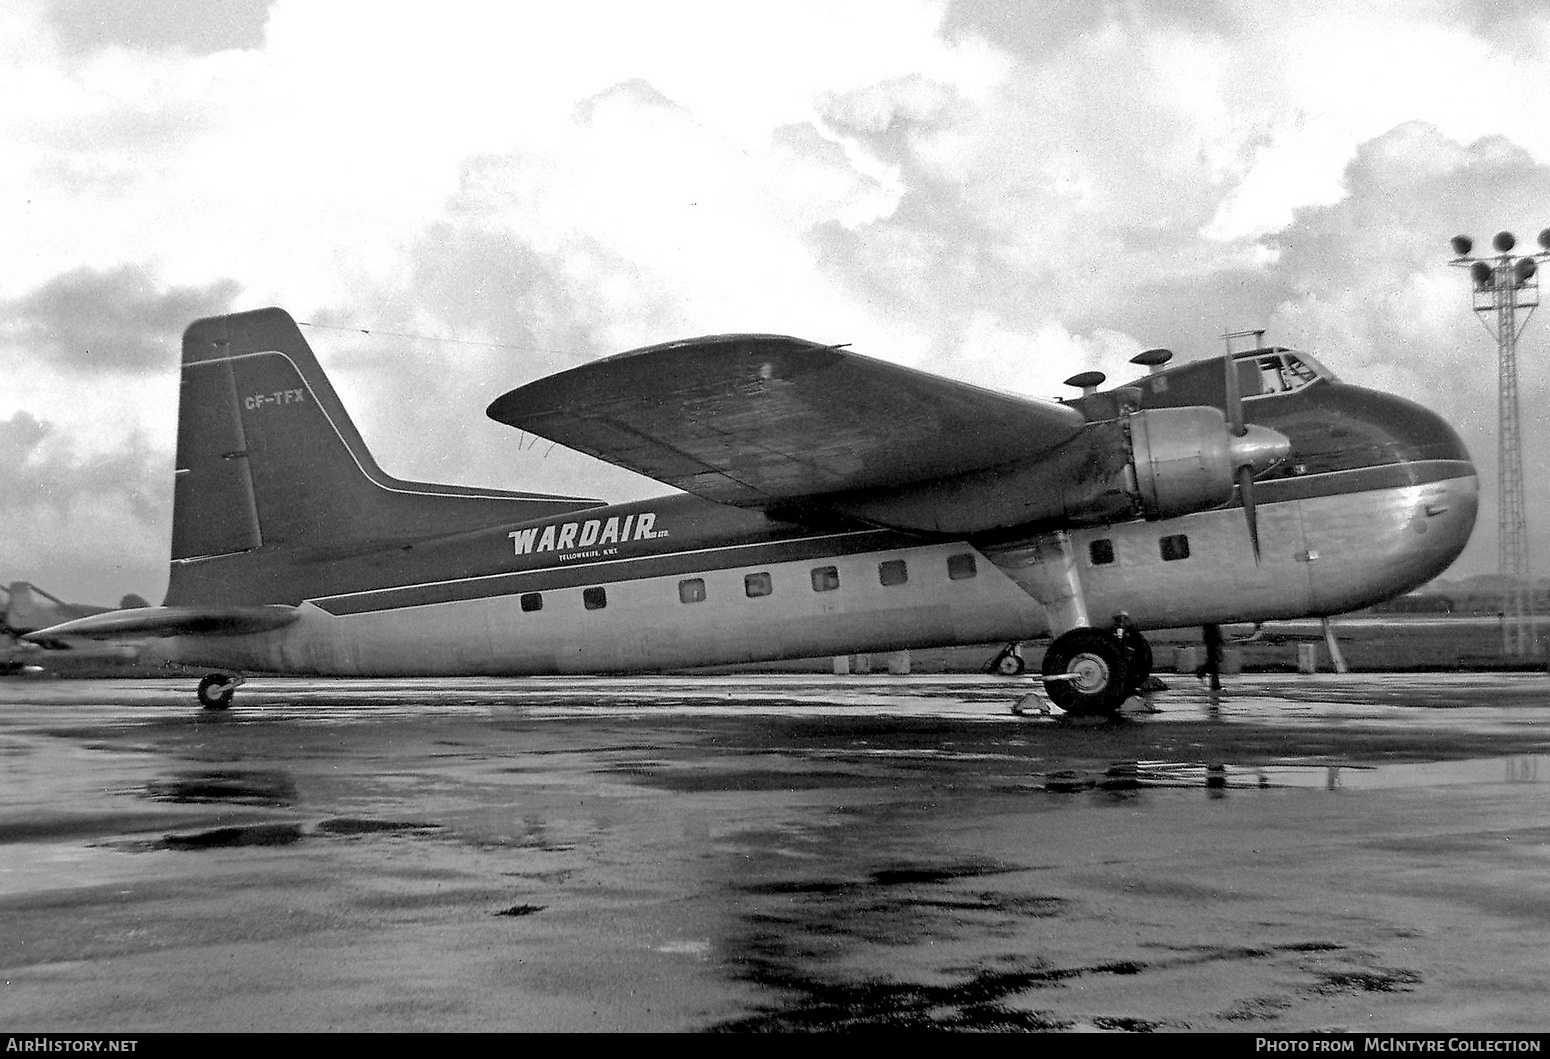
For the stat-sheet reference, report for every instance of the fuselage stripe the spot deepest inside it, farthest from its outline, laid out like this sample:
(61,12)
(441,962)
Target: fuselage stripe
(1360,479)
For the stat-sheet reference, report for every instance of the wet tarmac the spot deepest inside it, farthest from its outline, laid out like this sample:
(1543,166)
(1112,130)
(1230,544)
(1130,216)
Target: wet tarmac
(767,853)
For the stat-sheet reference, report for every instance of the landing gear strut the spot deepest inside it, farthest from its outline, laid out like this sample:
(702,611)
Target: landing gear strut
(215,690)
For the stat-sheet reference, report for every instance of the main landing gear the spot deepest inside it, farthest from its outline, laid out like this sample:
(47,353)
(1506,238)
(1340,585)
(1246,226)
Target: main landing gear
(1093,671)
(215,690)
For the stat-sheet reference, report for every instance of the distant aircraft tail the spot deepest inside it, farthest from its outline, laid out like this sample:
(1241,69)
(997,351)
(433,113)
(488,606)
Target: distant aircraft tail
(276,497)
(27,608)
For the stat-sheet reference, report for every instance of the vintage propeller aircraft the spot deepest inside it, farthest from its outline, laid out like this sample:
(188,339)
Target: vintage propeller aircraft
(832,504)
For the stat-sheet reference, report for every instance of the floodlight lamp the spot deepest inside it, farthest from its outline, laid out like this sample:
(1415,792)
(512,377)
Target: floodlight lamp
(1463,244)
(1524,270)
(1482,274)
(1544,238)
(1504,242)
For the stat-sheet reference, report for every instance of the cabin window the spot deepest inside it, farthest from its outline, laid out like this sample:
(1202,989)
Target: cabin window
(532,601)
(758,585)
(594,598)
(692,590)
(826,578)
(893,572)
(1174,546)
(961,567)
(1101,551)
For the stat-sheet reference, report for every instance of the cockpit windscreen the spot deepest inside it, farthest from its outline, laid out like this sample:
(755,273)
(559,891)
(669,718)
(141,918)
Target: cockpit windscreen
(1267,373)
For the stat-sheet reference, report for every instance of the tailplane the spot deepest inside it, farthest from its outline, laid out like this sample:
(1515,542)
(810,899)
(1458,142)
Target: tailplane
(276,496)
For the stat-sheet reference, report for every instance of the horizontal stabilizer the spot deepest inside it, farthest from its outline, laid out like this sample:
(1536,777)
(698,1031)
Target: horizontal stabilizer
(757,420)
(170,621)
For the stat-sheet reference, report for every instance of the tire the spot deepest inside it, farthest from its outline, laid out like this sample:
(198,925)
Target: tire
(215,691)
(1009,665)
(1087,671)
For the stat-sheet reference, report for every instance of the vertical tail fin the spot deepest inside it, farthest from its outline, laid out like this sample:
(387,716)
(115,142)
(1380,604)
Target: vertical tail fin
(273,479)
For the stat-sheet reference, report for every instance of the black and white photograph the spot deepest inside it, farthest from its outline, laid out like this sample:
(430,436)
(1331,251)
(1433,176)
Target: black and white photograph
(862,515)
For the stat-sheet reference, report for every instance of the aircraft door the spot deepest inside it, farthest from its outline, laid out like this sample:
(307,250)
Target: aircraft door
(1280,583)
(1351,545)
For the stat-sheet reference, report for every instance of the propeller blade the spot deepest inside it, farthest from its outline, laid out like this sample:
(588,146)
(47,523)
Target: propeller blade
(1245,476)
(1268,447)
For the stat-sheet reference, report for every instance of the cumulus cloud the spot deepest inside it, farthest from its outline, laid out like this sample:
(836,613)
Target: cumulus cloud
(1033,31)
(78,523)
(193,26)
(120,320)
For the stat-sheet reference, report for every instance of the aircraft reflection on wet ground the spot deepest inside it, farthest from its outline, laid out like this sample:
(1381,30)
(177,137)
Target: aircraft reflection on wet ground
(787,853)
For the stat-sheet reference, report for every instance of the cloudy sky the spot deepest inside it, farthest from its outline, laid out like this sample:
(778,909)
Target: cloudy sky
(1001,192)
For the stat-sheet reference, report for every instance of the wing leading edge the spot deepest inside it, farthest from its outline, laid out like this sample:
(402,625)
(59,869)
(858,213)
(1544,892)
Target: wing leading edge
(762,420)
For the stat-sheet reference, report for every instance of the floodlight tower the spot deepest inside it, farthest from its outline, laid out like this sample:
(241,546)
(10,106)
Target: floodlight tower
(1502,287)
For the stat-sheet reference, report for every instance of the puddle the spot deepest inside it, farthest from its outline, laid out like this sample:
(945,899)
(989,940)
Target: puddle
(250,787)
(54,868)
(349,825)
(1519,768)
(226,837)
(1140,775)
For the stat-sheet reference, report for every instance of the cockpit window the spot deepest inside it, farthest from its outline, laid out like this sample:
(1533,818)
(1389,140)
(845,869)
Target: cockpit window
(1268,373)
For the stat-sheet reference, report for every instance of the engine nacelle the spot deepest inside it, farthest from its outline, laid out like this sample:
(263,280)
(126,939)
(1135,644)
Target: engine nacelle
(1155,464)
(1185,459)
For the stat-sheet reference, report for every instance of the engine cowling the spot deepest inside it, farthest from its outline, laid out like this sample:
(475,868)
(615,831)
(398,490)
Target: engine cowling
(1186,459)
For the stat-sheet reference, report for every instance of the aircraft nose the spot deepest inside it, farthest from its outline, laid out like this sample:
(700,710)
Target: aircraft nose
(1260,448)
(1399,496)
(1450,483)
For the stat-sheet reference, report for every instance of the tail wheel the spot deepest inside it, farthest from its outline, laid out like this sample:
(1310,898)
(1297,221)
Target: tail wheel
(215,691)
(1087,671)
(1008,662)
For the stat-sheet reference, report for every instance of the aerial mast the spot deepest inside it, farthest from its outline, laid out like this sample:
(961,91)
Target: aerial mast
(1504,286)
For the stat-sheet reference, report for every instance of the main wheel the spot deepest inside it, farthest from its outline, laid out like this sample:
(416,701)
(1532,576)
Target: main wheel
(215,691)
(1087,671)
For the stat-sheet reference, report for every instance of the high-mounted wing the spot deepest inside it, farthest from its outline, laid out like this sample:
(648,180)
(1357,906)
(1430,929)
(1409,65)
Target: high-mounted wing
(756,420)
